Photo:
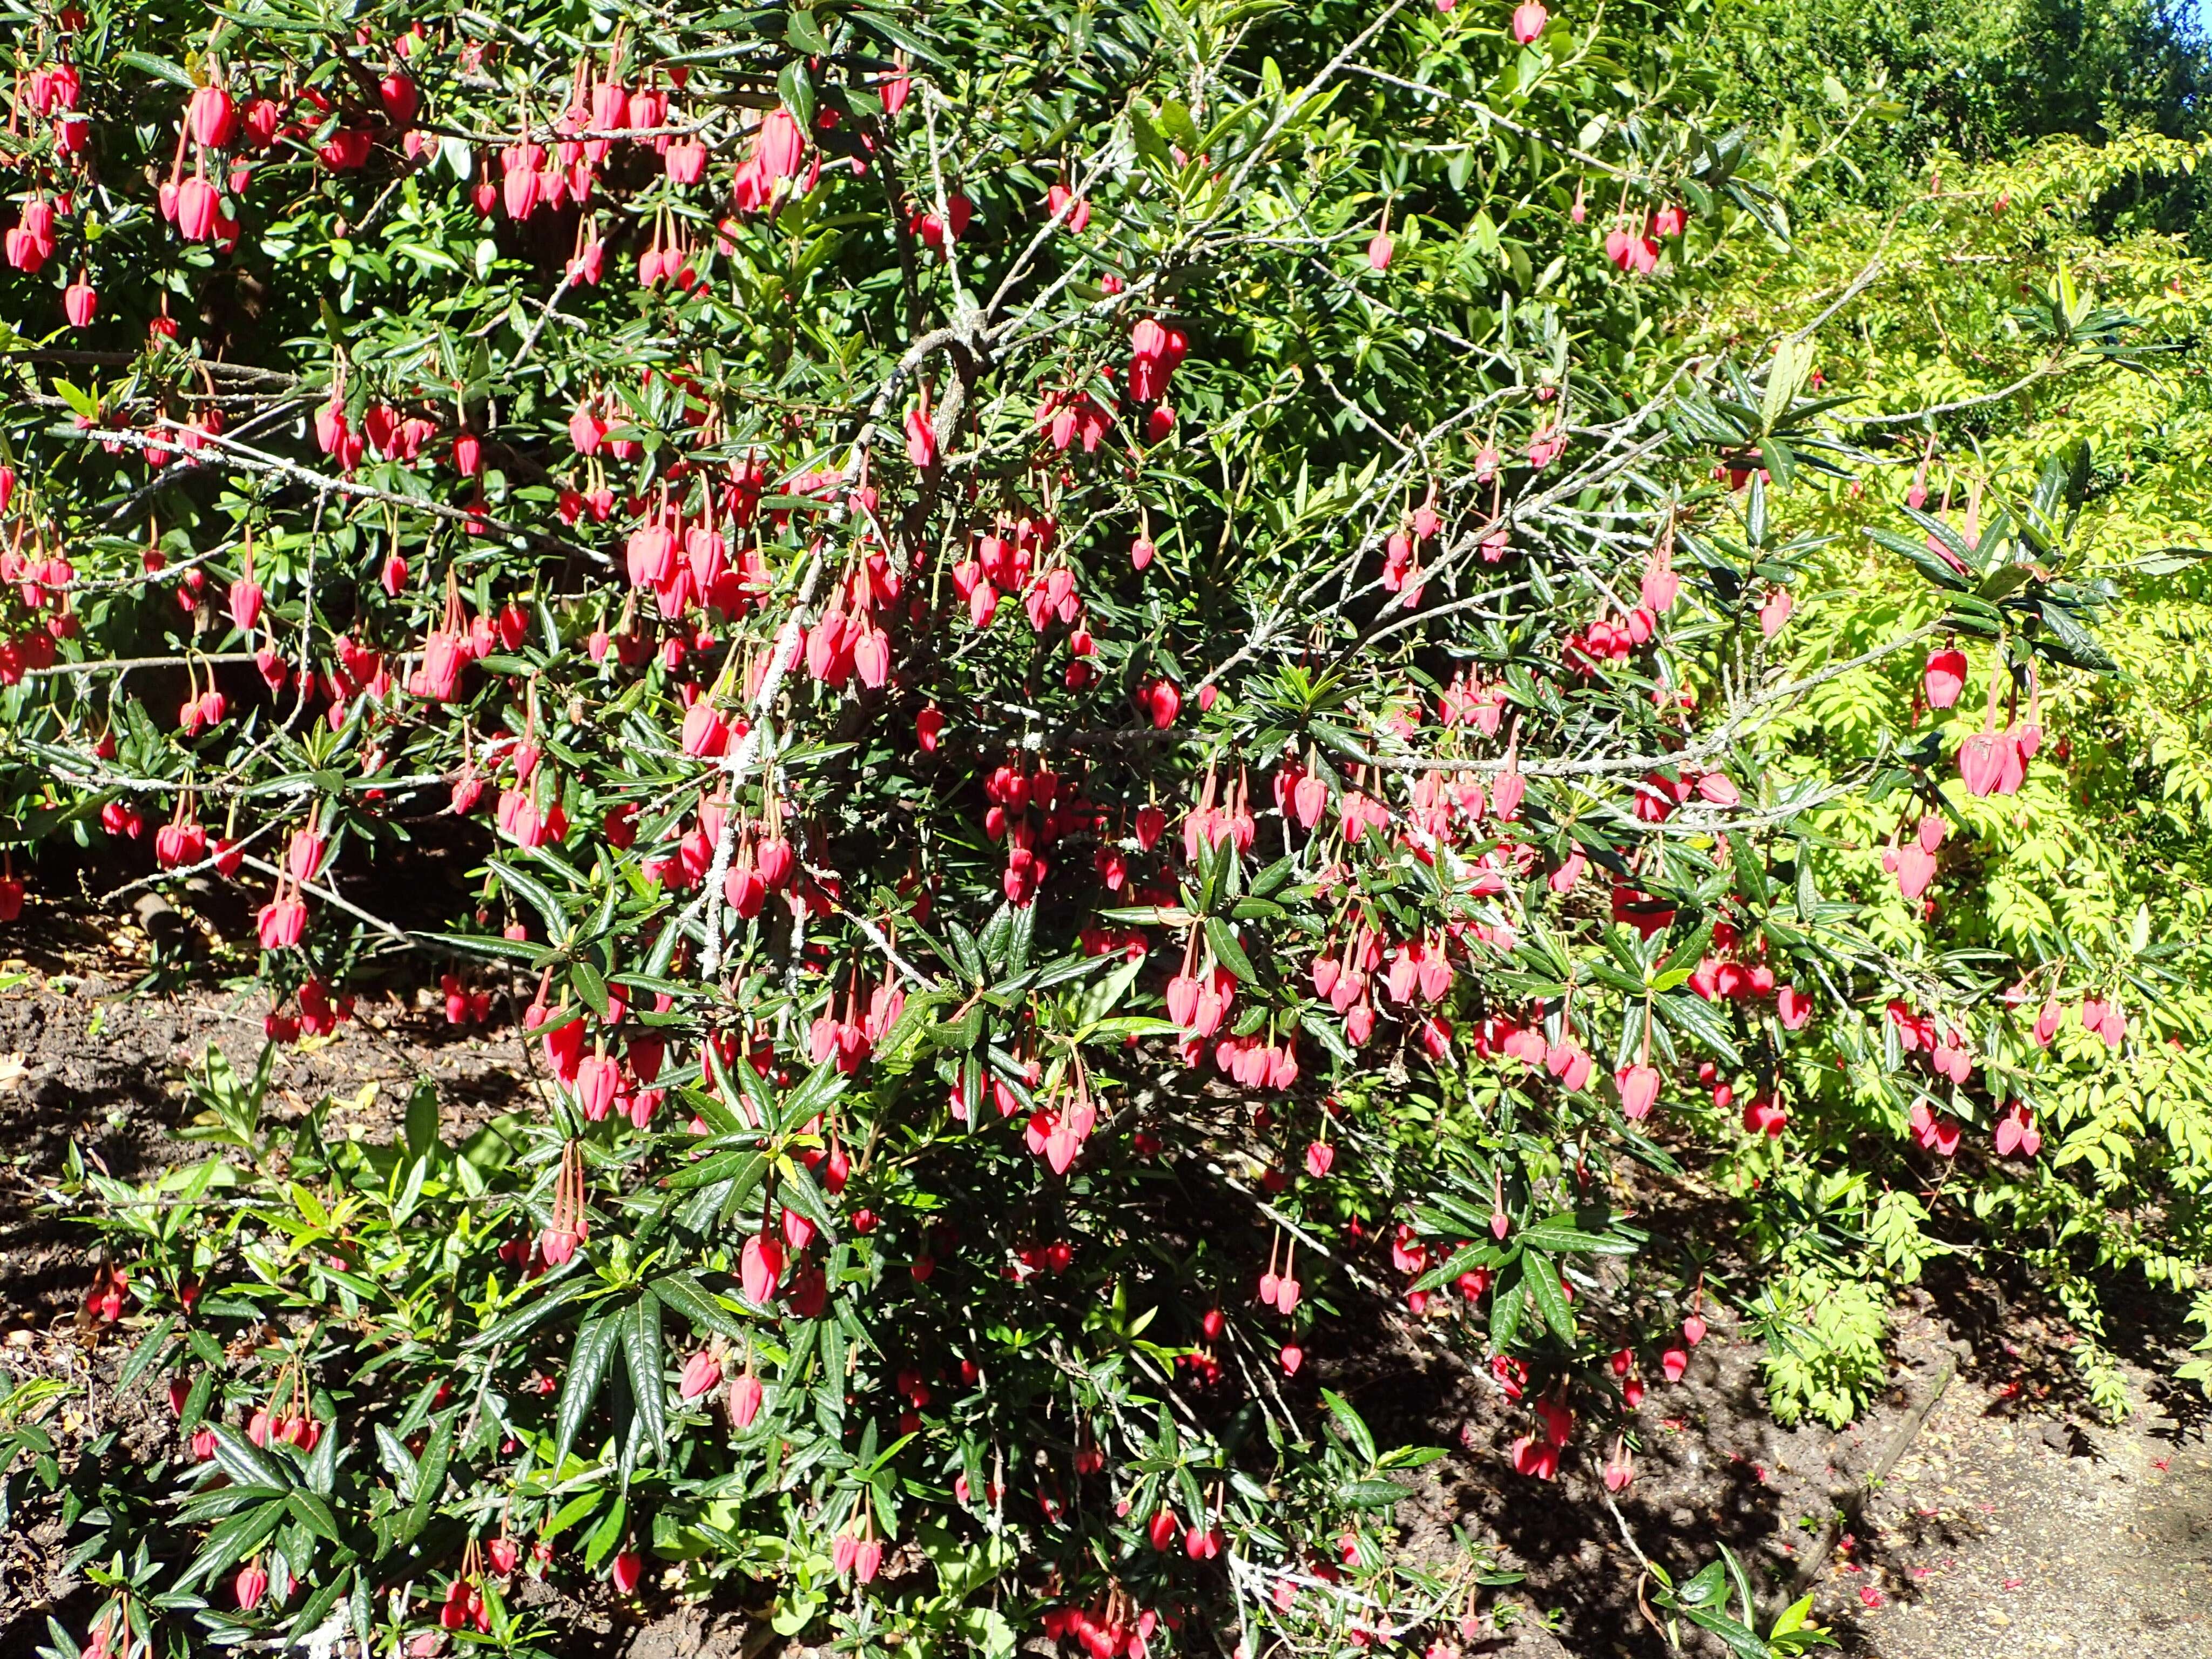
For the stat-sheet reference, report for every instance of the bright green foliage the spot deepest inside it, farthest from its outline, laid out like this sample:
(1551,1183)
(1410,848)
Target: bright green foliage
(1824,1355)
(2000,294)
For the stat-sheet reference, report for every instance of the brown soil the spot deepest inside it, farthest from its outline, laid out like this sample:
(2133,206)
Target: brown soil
(1978,1510)
(2004,1531)
(2011,1525)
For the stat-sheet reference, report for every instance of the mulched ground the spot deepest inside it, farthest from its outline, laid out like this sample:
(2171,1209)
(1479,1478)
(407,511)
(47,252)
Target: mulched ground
(2011,1524)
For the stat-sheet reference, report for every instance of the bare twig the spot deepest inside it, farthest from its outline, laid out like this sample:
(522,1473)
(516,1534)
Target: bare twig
(330,896)
(126,664)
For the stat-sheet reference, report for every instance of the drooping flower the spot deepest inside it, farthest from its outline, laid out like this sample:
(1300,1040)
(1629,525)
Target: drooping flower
(1639,1089)
(1944,676)
(281,921)
(80,303)
(745,1399)
(628,1568)
(211,116)
(779,145)
(760,1267)
(702,1375)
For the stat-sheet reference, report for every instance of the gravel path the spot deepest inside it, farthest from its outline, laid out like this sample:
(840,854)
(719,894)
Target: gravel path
(2004,1534)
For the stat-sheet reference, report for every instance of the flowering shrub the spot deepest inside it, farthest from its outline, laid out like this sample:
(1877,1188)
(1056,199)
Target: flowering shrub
(1098,684)
(2071,890)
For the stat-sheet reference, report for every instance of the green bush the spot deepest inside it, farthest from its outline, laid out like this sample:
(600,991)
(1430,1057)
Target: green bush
(1080,662)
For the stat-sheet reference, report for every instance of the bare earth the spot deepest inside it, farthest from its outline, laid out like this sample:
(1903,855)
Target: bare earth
(2027,1535)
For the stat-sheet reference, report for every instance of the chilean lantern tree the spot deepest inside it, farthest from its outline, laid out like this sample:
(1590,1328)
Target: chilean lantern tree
(1089,685)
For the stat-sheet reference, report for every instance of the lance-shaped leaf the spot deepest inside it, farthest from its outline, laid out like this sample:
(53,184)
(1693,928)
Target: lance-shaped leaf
(641,1347)
(587,1363)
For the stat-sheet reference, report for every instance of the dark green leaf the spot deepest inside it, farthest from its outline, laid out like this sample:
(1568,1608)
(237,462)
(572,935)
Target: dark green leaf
(233,1542)
(587,1365)
(523,1320)
(1355,1431)
(590,987)
(1541,1275)
(642,1346)
(1558,1236)
(1228,951)
(684,1292)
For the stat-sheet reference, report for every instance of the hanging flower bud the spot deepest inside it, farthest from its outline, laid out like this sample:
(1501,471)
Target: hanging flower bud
(212,117)
(1944,678)
(778,145)
(705,734)
(79,303)
(400,97)
(196,207)
(745,1400)
(280,923)
(702,1375)
(760,1267)
(245,600)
